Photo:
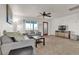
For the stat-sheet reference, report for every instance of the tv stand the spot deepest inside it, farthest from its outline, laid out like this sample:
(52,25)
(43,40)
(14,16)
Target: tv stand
(65,34)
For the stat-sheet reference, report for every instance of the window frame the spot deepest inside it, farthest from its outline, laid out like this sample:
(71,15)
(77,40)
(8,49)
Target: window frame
(31,22)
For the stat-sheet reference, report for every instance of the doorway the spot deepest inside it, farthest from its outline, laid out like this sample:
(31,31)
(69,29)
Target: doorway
(45,28)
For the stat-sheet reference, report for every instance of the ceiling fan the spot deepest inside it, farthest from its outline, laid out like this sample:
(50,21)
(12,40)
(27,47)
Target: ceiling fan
(44,14)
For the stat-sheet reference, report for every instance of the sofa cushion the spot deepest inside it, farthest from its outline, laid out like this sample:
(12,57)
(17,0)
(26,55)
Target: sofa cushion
(26,37)
(19,38)
(6,39)
(12,34)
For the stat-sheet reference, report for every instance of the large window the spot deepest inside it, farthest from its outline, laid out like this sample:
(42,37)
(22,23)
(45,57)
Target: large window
(31,25)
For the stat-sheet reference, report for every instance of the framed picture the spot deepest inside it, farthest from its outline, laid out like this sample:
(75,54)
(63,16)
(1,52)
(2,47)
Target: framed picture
(8,14)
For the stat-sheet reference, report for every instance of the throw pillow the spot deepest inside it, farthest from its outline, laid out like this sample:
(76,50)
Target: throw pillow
(19,38)
(6,39)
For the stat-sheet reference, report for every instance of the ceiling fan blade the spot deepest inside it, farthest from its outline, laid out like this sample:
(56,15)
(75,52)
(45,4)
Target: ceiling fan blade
(48,16)
(48,13)
(44,12)
(41,13)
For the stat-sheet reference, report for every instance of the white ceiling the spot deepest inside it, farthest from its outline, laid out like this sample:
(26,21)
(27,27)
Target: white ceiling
(33,10)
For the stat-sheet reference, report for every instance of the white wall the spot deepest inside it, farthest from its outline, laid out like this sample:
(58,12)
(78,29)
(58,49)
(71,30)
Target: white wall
(72,21)
(3,24)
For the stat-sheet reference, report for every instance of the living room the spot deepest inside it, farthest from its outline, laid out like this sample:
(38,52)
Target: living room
(19,23)
(26,18)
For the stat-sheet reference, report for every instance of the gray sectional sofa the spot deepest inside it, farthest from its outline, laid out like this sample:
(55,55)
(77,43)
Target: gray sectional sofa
(21,46)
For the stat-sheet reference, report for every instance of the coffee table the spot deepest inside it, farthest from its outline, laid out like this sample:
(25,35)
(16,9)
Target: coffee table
(38,38)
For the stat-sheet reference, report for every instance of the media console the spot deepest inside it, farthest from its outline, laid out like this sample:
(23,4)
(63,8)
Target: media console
(65,34)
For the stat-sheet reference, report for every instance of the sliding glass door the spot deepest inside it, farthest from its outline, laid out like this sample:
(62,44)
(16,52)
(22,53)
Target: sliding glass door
(31,25)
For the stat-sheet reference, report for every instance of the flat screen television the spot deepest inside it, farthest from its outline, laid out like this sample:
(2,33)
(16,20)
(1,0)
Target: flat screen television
(62,27)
